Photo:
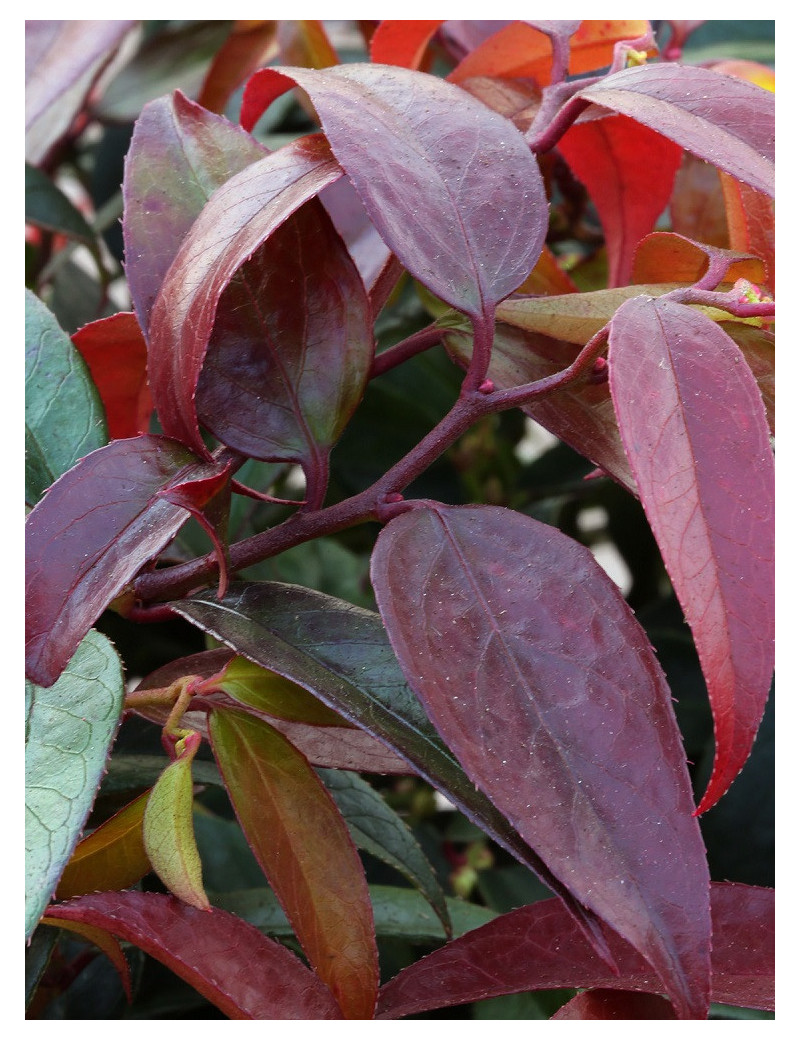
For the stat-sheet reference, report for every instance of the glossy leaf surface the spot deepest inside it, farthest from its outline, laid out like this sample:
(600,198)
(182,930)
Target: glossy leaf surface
(342,654)
(115,352)
(179,155)
(693,425)
(244,974)
(449,185)
(629,195)
(64,417)
(558,711)
(727,121)
(97,525)
(242,216)
(538,947)
(68,734)
(113,856)
(376,828)
(581,414)
(302,844)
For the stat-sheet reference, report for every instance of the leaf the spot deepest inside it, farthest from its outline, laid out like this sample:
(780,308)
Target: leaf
(62,60)
(465,209)
(581,414)
(301,842)
(400,913)
(46,206)
(402,42)
(539,947)
(243,214)
(103,941)
(751,223)
(116,355)
(68,734)
(305,43)
(244,974)
(535,672)
(758,347)
(113,856)
(90,534)
(727,121)
(291,345)
(178,156)
(695,432)
(697,209)
(169,832)
(64,417)
(250,45)
(376,828)
(680,259)
(601,1004)
(342,654)
(630,195)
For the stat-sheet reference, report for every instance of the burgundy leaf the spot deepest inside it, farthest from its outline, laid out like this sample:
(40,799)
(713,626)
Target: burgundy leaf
(601,1004)
(242,972)
(450,185)
(630,195)
(243,214)
(363,242)
(179,155)
(93,530)
(696,435)
(536,674)
(725,120)
(540,947)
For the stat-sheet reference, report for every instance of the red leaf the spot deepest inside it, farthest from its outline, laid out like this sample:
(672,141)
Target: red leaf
(540,947)
(249,46)
(450,185)
(178,156)
(727,121)
(630,194)
(302,843)
(116,353)
(242,972)
(601,1004)
(240,218)
(402,42)
(695,432)
(751,223)
(536,674)
(90,534)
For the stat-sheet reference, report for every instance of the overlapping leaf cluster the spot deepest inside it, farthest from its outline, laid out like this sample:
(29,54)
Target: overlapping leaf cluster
(502,666)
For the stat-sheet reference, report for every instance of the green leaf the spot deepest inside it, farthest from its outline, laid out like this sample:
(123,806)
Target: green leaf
(69,728)
(399,913)
(64,416)
(376,828)
(46,206)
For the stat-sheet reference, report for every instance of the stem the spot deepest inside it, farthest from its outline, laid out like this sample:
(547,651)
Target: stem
(558,121)
(732,301)
(482,343)
(405,349)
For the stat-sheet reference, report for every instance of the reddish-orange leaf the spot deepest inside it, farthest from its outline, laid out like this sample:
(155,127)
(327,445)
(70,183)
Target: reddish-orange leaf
(697,208)
(402,42)
(305,43)
(112,857)
(116,353)
(249,46)
(679,259)
(303,846)
(751,223)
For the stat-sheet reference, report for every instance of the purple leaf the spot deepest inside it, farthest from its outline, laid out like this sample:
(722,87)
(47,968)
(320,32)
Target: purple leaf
(536,674)
(449,184)
(242,972)
(90,534)
(540,947)
(695,431)
(725,120)
(178,156)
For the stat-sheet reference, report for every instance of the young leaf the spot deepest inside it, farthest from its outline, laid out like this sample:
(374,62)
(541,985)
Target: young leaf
(244,974)
(90,534)
(376,828)
(725,120)
(664,254)
(342,654)
(243,214)
(402,42)
(116,355)
(449,184)
(630,195)
(68,734)
(64,417)
(302,844)
(169,831)
(694,429)
(113,856)
(539,947)
(535,672)
(179,155)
